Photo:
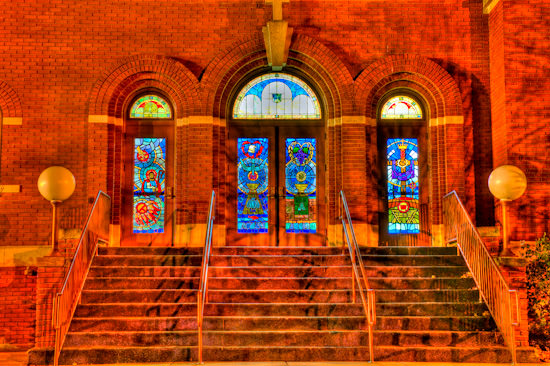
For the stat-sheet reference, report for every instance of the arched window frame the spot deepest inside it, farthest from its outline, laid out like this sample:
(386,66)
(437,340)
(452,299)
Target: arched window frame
(419,124)
(239,89)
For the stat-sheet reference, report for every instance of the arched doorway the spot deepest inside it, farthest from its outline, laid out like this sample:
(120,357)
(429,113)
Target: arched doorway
(402,144)
(276,164)
(148,166)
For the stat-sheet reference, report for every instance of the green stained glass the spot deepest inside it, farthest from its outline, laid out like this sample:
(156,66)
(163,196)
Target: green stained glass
(150,106)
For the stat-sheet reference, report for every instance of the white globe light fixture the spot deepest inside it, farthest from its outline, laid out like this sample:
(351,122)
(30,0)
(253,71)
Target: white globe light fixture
(507,183)
(56,184)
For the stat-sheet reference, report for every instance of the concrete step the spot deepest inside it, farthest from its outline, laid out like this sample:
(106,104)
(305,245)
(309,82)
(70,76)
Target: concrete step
(353,338)
(273,296)
(277,271)
(396,323)
(115,354)
(276,260)
(238,283)
(235,250)
(283,309)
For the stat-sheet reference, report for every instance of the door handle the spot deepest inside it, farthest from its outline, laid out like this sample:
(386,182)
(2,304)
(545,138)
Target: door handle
(170,193)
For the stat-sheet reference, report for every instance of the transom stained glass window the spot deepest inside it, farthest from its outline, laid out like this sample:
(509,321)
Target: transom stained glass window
(401,107)
(301,185)
(149,185)
(402,174)
(276,96)
(252,189)
(150,106)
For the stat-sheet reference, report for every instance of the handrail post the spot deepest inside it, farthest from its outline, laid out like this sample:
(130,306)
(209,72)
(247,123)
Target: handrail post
(202,295)
(369,304)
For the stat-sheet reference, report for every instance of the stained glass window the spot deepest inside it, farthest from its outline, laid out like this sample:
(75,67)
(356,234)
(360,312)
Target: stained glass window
(274,96)
(149,185)
(150,106)
(301,185)
(401,107)
(252,192)
(403,215)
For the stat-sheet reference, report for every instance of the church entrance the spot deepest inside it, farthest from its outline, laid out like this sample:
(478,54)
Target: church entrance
(148,166)
(276,184)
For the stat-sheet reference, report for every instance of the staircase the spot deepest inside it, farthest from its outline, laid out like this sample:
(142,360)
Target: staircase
(279,304)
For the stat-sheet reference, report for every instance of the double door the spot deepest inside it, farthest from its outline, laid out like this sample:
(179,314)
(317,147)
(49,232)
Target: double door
(276,185)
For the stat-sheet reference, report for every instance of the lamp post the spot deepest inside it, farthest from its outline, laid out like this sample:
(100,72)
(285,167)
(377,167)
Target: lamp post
(56,184)
(507,183)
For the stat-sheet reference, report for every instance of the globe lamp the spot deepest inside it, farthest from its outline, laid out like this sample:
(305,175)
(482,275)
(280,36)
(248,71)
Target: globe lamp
(507,183)
(56,184)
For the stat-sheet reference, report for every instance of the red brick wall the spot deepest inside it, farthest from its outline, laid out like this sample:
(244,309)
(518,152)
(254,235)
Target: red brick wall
(520,79)
(17,306)
(60,51)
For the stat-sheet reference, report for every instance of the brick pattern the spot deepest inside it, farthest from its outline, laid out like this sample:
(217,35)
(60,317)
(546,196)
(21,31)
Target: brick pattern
(49,281)
(17,306)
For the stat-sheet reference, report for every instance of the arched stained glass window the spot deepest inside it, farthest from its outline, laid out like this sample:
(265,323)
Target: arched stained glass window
(150,106)
(276,96)
(401,107)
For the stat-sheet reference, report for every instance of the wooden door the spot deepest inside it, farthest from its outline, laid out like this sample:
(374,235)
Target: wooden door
(147,193)
(262,200)
(404,188)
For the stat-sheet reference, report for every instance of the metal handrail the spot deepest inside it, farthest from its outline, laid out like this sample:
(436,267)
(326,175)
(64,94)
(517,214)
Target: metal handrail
(203,288)
(489,280)
(96,229)
(369,304)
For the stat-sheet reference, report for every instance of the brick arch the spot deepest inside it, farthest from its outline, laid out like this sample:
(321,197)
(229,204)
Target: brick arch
(417,69)
(105,94)
(126,90)
(432,102)
(10,104)
(444,110)
(318,63)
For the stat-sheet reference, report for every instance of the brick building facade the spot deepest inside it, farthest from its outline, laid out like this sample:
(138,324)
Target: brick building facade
(70,71)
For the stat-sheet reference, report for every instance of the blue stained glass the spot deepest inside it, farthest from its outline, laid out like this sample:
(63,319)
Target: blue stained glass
(276,95)
(252,189)
(402,175)
(301,185)
(149,185)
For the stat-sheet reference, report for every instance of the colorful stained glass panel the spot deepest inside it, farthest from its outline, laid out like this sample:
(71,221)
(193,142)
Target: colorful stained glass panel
(150,106)
(252,189)
(301,185)
(401,107)
(402,174)
(149,185)
(276,96)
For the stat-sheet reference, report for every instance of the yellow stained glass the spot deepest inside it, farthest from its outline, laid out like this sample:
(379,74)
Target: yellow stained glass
(150,106)
(401,107)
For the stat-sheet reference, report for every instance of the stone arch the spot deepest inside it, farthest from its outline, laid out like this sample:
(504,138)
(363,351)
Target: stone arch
(443,102)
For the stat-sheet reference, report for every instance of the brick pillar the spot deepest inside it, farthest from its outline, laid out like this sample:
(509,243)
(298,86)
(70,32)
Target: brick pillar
(51,272)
